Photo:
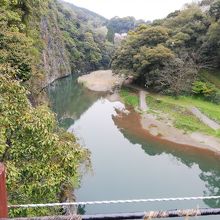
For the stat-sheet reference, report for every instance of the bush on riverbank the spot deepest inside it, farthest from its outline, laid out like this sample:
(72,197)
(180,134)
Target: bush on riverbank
(42,160)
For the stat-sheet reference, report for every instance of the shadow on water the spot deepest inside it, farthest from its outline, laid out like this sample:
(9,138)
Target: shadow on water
(70,100)
(207,161)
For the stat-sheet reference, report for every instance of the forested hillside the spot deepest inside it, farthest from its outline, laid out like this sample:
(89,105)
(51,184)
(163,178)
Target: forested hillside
(74,39)
(168,56)
(85,37)
(121,25)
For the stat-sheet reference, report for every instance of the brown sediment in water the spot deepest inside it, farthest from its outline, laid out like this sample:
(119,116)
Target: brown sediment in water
(131,125)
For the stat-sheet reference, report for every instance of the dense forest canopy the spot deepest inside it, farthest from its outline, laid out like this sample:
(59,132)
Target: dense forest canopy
(168,55)
(85,37)
(121,25)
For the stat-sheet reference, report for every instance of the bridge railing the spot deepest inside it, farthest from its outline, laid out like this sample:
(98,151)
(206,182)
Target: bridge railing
(138,215)
(3,193)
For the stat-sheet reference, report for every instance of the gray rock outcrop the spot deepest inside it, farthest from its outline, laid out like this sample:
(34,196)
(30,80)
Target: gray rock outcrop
(54,56)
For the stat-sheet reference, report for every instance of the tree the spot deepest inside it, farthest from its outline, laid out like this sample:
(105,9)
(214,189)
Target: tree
(170,52)
(143,51)
(214,10)
(121,25)
(147,58)
(16,49)
(41,159)
(176,77)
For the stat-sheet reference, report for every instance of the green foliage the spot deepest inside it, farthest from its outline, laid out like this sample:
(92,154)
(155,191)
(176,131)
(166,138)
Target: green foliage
(85,37)
(168,53)
(145,52)
(214,10)
(121,25)
(177,111)
(207,90)
(215,97)
(212,110)
(15,50)
(40,158)
(203,88)
(151,56)
(212,45)
(179,39)
(213,76)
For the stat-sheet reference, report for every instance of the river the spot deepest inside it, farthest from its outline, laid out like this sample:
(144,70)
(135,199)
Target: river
(127,166)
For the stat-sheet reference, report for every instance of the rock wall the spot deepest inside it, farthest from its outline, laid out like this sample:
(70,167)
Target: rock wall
(54,56)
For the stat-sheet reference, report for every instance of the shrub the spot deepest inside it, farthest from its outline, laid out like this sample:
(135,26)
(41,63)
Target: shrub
(203,88)
(206,90)
(215,97)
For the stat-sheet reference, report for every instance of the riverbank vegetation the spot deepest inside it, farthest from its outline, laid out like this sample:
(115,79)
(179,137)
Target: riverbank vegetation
(42,160)
(167,56)
(210,109)
(129,98)
(177,110)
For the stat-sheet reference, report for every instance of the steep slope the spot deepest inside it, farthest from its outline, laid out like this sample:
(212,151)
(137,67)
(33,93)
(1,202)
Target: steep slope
(85,14)
(31,143)
(55,58)
(74,39)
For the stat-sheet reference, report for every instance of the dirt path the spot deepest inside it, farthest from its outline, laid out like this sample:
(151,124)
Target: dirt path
(212,124)
(142,100)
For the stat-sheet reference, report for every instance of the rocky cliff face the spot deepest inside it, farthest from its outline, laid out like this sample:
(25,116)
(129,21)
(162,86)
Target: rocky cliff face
(74,41)
(55,59)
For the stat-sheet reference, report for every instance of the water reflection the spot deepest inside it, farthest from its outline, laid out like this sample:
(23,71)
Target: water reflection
(70,100)
(207,161)
(128,163)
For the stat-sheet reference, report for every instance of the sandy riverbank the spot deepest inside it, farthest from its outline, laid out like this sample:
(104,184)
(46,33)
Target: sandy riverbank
(164,129)
(101,81)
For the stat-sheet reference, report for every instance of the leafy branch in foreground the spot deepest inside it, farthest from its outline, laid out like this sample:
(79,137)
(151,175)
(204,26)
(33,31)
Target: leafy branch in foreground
(41,159)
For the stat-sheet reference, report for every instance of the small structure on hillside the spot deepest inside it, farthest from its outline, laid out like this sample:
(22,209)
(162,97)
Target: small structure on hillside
(119,37)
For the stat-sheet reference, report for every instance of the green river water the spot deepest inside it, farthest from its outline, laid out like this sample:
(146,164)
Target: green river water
(128,167)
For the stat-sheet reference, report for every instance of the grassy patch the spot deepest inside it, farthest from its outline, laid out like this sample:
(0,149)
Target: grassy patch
(208,108)
(177,110)
(129,97)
